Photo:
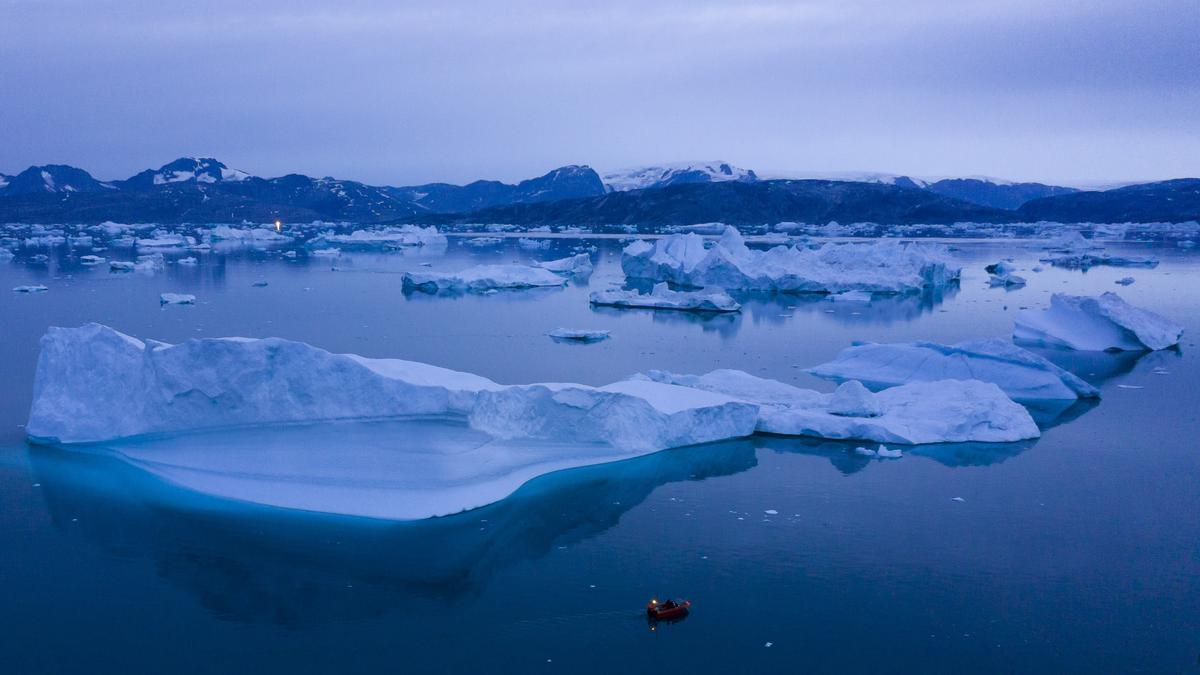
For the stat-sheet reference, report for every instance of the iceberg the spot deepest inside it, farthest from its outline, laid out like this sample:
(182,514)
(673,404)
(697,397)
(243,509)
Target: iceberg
(254,235)
(942,411)
(1104,323)
(1084,261)
(1004,274)
(578,265)
(882,267)
(578,335)
(662,297)
(91,260)
(1021,374)
(408,235)
(483,278)
(166,241)
(176,299)
(30,289)
(95,384)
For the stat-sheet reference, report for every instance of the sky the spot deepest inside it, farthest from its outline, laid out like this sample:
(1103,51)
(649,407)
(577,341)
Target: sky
(1061,91)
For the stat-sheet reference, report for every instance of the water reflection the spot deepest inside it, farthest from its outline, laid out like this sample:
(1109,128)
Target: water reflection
(259,564)
(1099,367)
(842,455)
(777,308)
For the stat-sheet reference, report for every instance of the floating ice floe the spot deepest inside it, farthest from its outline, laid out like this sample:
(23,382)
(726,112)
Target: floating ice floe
(1125,281)
(1085,261)
(325,252)
(481,242)
(483,278)
(91,260)
(187,262)
(533,244)
(166,241)
(30,289)
(943,411)
(145,263)
(662,297)
(259,236)
(579,335)
(849,296)
(577,265)
(221,382)
(408,235)
(880,267)
(1004,274)
(1104,323)
(1021,374)
(176,299)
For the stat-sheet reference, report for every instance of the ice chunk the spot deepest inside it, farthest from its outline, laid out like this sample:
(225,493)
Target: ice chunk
(482,242)
(884,451)
(578,335)
(91,260)
(30,289)
(1004,274)
(257,236)
(187,262)
(1105,323)
(1085,261)
(852,399)
(533,244)
(408,235)
(579,265)
(879,267)
(943,411)
(483,278)
(1020,373)
(94,383)
(166,241)
(177,299)
(1125,281)
(662,297)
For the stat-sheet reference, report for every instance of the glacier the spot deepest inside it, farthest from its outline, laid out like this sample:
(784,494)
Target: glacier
(1021,374)
(483,278)
(1104,323)
(879,267)
(662,297)
(941,411)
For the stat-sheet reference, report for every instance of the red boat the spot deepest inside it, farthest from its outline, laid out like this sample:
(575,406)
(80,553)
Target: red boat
(667,610)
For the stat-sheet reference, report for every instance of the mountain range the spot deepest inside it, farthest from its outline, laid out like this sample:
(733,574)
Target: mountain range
(195,189)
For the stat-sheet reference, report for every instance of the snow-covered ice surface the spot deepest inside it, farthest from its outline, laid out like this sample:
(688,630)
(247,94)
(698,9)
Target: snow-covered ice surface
(579,335)
(941,411)
(408,235)
(579,264)
(877,267)
(177,299)
(662,297)
(483,278)
(1020,373)
(1104,323)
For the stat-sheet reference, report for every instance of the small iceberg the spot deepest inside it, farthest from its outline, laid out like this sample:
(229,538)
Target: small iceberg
(166,241)
(943,411)
(662,297)
(387,238)
(30,289)
(176,299)
(577,265)
(1104,323)
(483,278)
(1020,373)
(90,260)
(187,262)
(1003,274)
(1085,261)
(880,267)
(483,242)
(577,335)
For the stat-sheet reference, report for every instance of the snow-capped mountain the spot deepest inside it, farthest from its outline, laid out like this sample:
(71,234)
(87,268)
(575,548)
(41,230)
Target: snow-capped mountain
(663,175)
(187,169)
(49,179)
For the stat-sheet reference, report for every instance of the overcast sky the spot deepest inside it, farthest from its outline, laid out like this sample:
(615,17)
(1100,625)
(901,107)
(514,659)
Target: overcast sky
(400,93)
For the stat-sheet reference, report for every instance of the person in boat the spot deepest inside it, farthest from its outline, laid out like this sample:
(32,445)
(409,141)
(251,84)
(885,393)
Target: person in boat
(669,604)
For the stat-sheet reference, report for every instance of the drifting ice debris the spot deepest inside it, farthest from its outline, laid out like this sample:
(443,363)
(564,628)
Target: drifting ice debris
(865,452)
(662,297)
(1106,323)
(578,265)
(207,383)
(575,335)
(920,412)
(850,296)
(326,252)
(176,299)
(145,263)
(881,267)
(1125,281)
(409,235)
(166,241)
(483,278)
(1020,373)
(481,242)
(533,244)
(252,235)
(187,262)
(1083,261)
(885,452)
(91,260)
(30,289)
(1003,274)
(259,284)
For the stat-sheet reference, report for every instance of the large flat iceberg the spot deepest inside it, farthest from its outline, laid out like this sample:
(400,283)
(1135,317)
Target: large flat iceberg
(662,297)
(1104,323)
(483,278)
(879,267)
(94,384)
(408,235)
(1020,373)
(944,411)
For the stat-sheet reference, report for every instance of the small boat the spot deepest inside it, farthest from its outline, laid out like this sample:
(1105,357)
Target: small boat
(667,610)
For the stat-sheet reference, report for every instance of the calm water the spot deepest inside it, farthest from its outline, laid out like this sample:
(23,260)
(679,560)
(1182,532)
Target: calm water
(1079,552)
